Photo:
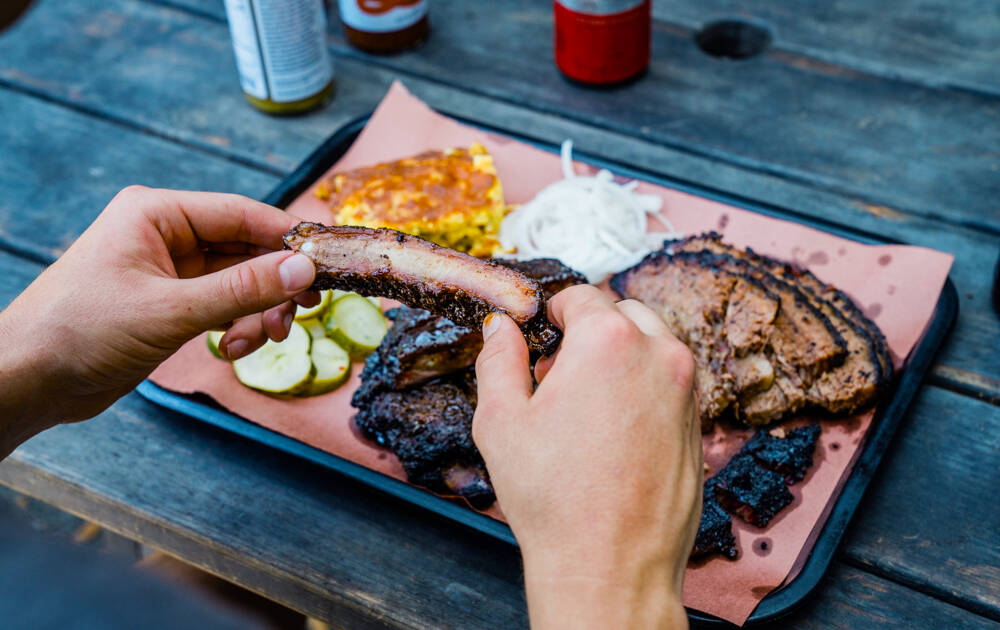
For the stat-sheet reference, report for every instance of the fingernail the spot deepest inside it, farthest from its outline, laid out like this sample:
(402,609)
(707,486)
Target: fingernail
(296,272)
(237,349)
(287,322)
(490,325)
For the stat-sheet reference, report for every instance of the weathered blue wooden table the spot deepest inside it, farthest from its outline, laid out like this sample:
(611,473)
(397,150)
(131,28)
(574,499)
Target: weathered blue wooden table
(881,116)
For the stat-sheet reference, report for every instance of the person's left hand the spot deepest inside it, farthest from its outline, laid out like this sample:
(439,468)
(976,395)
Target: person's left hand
(156,269)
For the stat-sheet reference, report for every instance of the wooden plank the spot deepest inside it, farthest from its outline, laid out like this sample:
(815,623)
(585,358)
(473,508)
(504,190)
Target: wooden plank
(160,69)
(797,119)
(932,42)
(886,142)
(212,116)
(936,43)
(929,518)
(851,599)
(62,167)
(281,527)
(326,547)
(969,383)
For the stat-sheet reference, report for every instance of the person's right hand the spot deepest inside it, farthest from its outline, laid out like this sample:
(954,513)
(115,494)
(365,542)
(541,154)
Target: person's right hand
(599,471)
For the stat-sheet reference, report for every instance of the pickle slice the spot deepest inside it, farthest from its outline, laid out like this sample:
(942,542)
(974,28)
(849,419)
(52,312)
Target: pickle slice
(356,324)
(212,341)
(302,312)
(278,367)
(331,367)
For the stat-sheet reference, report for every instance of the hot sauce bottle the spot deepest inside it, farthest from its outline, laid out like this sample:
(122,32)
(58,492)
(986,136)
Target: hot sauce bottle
(602,42)
(384,26)
(281,53)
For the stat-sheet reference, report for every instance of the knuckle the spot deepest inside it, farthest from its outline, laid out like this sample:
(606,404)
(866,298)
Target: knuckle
(681,362)
(616,329)
(480,426)
(131,195)
(574,295)
(243,287)
(490,353)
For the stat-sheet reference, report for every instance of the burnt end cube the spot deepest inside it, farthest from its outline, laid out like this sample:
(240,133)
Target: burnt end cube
(715,531)
(790,455)
(751,492)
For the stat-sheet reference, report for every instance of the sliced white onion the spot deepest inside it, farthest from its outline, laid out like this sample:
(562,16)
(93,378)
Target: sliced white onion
(592,224)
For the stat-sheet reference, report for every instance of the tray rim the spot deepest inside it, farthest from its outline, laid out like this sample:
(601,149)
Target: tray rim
(778,603)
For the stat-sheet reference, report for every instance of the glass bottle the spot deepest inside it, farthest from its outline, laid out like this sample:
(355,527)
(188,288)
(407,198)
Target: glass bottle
(281,53)
(602,42)
(385,26)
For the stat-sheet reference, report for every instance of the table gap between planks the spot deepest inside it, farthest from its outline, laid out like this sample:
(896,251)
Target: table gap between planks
(108,119)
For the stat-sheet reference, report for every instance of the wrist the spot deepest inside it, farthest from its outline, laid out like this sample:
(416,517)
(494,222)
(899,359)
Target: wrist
(602,588)
(25,377)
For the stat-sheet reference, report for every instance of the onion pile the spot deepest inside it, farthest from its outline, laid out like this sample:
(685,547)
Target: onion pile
(592,224)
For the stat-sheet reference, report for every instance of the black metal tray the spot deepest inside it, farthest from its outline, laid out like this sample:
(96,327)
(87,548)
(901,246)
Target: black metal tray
(777,604)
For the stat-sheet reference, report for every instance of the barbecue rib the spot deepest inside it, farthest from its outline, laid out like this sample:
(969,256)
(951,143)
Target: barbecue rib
(429,427)
(550,273)
(867,367)
(417,395)
(421,346)
(421,274)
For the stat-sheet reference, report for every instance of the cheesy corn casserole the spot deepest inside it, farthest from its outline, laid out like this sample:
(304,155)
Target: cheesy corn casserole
(451,197)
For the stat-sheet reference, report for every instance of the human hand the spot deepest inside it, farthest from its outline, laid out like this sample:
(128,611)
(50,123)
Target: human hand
(154,270)
(599,471)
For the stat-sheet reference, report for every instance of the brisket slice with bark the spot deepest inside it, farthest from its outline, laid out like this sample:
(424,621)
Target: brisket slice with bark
(725,320)
(867,367)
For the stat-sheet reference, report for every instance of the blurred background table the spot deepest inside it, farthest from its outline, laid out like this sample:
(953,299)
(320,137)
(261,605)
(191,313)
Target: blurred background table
(884,117)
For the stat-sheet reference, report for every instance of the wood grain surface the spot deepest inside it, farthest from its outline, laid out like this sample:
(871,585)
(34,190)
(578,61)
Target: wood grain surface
(210,115)
(881,117)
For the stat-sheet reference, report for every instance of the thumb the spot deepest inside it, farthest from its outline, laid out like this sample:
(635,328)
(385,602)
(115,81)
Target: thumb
(502,373)
(249,287)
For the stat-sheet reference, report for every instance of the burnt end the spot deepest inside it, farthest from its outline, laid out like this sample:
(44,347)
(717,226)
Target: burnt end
(472,483)
(751,492)
(715,530)
(543,336)
(790,456)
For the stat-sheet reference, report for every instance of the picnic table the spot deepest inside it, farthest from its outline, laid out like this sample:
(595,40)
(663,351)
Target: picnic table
(884,117)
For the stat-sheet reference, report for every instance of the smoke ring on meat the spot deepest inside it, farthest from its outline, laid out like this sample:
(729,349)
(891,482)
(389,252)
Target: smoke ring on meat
(421,274)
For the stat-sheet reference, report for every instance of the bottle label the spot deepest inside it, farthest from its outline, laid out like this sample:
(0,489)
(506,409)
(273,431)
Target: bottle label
(280,47)
(382,16)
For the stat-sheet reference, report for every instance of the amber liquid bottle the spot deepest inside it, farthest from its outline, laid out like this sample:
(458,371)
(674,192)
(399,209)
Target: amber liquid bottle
(385,26)
(281,53)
